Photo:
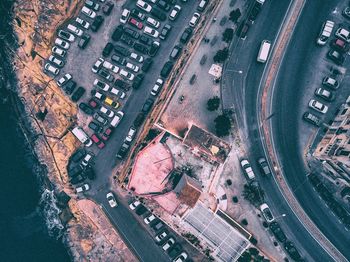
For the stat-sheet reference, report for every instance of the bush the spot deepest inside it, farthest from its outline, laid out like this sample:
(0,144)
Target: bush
(235,199)
(234,15)
(228,182)
(227,36)
(265,225)
(221,55)
(213,103)
(222,125)
(244,222)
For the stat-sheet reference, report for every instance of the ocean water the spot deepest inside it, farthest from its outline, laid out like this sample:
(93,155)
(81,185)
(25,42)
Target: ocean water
(29,229)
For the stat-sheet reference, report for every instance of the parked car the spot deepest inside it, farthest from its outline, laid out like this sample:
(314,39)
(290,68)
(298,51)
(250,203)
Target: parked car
(136,57)
(157,86)
(147,105)
(330,82)
(88,159)
(78,94)
(168,66)
(110,102)
(143,6)
(107,50)
(134,204)
(58,51)
(132,33)
(131,134)
(100,119)
(161,236)
(110,66)
(153,22)
(86,109)
(107,8)
(247,168)
(97,65)
(127,74)
(95,127)
(111,199)
(324,94)
(264,166)
(78,155)
(121,50)
(106,111)
(141,48)
(147,64)
(169,243)
(50,68)
(118,93)
(175,12)
(124,16)
(194,20)
(165,31)
(58,62)
(64,80)
(123,151)
(93,103)
(97,23)
(107,133)
(343,33)
(158,13)
(75,30)
(61,43)
(318,106)
(336,57)
(117,118)
(84,41)
(82,188)
(175,250)
(97,141)
(145,40)
(175,53)
(181,258)
(277,231)
(311,118)
(105,74)
(137,14)
(138,81)
(163,5)
(117,33)
(98,95)
(122,84)
(66,35)
(119,60)
(150,31)
(135,23)
(186,35)
(149,219)
(291,250)
(132,67)
(91,4)
(70,87)
(340,45)
(81,22)
(266,212)
(346,12)
(139,119)
(154,48)
(88,12)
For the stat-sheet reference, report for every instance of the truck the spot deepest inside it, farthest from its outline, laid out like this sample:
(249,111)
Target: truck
(80,134)
(264,51)
(325,33)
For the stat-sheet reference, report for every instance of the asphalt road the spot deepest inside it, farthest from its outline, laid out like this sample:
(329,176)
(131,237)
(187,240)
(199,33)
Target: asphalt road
(297,69)
(244,90)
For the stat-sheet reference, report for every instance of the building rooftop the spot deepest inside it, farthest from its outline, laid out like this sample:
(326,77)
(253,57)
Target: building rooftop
(188,190)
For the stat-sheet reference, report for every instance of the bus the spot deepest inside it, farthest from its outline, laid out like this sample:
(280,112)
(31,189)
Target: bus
(264,51)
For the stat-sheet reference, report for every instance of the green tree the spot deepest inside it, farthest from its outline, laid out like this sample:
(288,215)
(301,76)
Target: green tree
(234,15)
(222,125)
(253,193)
(213,103)
(221,56)
(227,35)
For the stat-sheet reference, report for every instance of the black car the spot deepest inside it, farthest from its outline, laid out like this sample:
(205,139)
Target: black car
(118,32)
(83,42)
(291,250)
(175,250)
(107,8)
(173,2)
(147,105)
(137,14)
(145,40)
(75,171)
(141,48)
(107,50)
(154,48)
(277,231)
(141,209)
(105,74)
(127,40)
(77,179)
(165,32)
(70,87)
(139,119)
(138,81)
(163,5)
(186,35)
(90,173)
(123,151)
(132,33)
(78,94)
(122,84)
(168,66)
(86,109)
(78,155)
(158,13)
(336,57)
(122,50)
(147,64)
(119,60)
(96,24)
(95,127)
(175,52)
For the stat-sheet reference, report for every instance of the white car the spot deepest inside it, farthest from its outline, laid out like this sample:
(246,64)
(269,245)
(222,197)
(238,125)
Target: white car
(266,212)
(132,67)
(124,17)
(64,79)
(247,169)
(117,118)
(97,65)
(343,34)
(88,12)
(330,82)
(127,75)
(82,23)
(144,6)
(56,61)
(101,85)
(74,30)
(168,244)
(58,51)
(194,20)
(151,32)
(153,22)
(131,134)
(161,236)
(111,199)
(175,12)
(82,188)
(110,66)
(61,43)
(136,57)
(157,86)
(87,159)
(107,111)
(149,219)
(134,204)
(98,95)
(118,93)
(50,68)
(181,258)
(318,106)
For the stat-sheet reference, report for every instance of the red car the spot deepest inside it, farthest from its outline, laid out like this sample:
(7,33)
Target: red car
(93,103)
(340,45)
(105,136)
(135,23)
(97,141)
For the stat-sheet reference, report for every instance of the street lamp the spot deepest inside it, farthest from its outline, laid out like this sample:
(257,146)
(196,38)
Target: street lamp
(283,215)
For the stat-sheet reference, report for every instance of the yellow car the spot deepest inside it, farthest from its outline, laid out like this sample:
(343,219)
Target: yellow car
(109,101)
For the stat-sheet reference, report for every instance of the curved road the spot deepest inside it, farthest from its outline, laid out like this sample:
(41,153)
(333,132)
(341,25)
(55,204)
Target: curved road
(245,89)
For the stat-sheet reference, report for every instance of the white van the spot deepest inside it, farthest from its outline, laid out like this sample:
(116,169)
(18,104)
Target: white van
(79,133)
(264,51)
(325,33)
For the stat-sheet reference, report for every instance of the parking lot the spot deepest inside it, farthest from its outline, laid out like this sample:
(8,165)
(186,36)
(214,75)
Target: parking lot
(79,62)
